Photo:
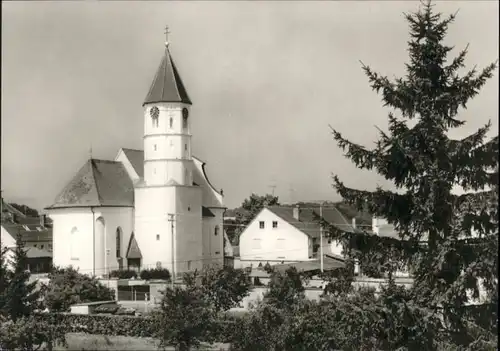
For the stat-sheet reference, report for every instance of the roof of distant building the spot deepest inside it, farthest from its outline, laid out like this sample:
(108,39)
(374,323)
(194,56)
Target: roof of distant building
(308,219)
(329,263)
(97,183)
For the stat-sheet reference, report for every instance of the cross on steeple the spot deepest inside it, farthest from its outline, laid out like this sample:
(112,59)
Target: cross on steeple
(167,32)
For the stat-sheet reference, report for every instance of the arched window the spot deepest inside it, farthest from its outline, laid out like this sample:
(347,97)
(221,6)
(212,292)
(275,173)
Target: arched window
(216,230)
(155,114)
(171,122)
(118,242)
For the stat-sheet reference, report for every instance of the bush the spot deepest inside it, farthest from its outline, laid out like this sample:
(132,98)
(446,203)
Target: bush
(68,287)
(123,274)
(125,312)
(155,273)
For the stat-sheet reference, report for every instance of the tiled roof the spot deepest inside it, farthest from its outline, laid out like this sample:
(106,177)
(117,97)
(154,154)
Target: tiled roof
(136,158)
(97,183)
(308,222)
(205,212)
(32,233)
(133,250)
(167,84)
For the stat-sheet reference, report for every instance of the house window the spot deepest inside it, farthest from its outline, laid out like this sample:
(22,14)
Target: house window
(261,224)
(216,230)
(217,252)
(34,245)
(275,224)
(41,246)
(157,237)
(189,208)
(118,239)
(50,246)
(185,114)
(154,147)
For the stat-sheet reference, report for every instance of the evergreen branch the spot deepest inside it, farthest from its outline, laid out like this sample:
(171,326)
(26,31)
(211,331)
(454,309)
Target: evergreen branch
(361,157)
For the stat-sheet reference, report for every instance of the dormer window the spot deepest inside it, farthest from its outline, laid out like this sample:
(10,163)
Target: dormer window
(185,115)
(155,114)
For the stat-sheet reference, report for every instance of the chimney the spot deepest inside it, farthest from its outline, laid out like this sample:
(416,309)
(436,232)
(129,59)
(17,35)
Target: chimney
(296,212)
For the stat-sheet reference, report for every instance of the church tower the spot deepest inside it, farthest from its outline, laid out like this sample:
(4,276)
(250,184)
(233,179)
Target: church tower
(168,204)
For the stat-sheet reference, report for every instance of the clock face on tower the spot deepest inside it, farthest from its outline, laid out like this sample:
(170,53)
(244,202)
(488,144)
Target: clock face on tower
(154,112)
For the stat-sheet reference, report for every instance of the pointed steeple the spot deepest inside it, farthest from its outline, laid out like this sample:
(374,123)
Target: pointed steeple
(167,84)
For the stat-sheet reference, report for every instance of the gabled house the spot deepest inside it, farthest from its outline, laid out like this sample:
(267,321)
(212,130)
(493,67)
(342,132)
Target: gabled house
(36,234)
(286,234)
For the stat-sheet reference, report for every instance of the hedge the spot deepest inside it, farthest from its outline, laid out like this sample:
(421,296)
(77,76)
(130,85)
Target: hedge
(132,326)
(102,324)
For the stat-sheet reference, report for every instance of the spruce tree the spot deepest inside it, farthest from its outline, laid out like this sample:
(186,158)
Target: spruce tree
(21,296)
(448,241)
(4,278)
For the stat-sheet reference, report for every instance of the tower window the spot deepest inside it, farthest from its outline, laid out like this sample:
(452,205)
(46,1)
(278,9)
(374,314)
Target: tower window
(154,147)
(216,230)
(185,115)
(157,236)
(155,114)
(171,122)
(185,147)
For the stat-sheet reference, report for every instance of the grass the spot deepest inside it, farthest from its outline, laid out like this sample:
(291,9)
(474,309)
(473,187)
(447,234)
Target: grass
(82,341)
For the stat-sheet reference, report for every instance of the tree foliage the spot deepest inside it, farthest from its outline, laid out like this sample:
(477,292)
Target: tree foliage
(223,288)
(285,289)
(424,164)
(67,287)
(28,211)
(20,297)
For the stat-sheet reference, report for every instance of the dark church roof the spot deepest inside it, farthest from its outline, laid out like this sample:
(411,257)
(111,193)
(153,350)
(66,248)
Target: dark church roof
(167,84)
(97,183)
(133,250)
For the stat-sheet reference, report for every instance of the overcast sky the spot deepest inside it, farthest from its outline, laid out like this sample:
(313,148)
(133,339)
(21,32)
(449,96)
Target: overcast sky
(265,78)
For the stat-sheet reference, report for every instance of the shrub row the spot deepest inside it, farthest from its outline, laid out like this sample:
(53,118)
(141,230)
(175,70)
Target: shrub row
(132,326)
(101,324)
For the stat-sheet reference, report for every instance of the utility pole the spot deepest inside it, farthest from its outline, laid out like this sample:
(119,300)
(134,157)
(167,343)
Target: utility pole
(321,235)
(356,263)
(171,219)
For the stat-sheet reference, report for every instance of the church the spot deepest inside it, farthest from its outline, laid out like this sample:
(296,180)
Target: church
(150,208)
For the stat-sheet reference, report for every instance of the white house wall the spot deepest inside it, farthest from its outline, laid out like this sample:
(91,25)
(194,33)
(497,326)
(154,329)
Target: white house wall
(285,242)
